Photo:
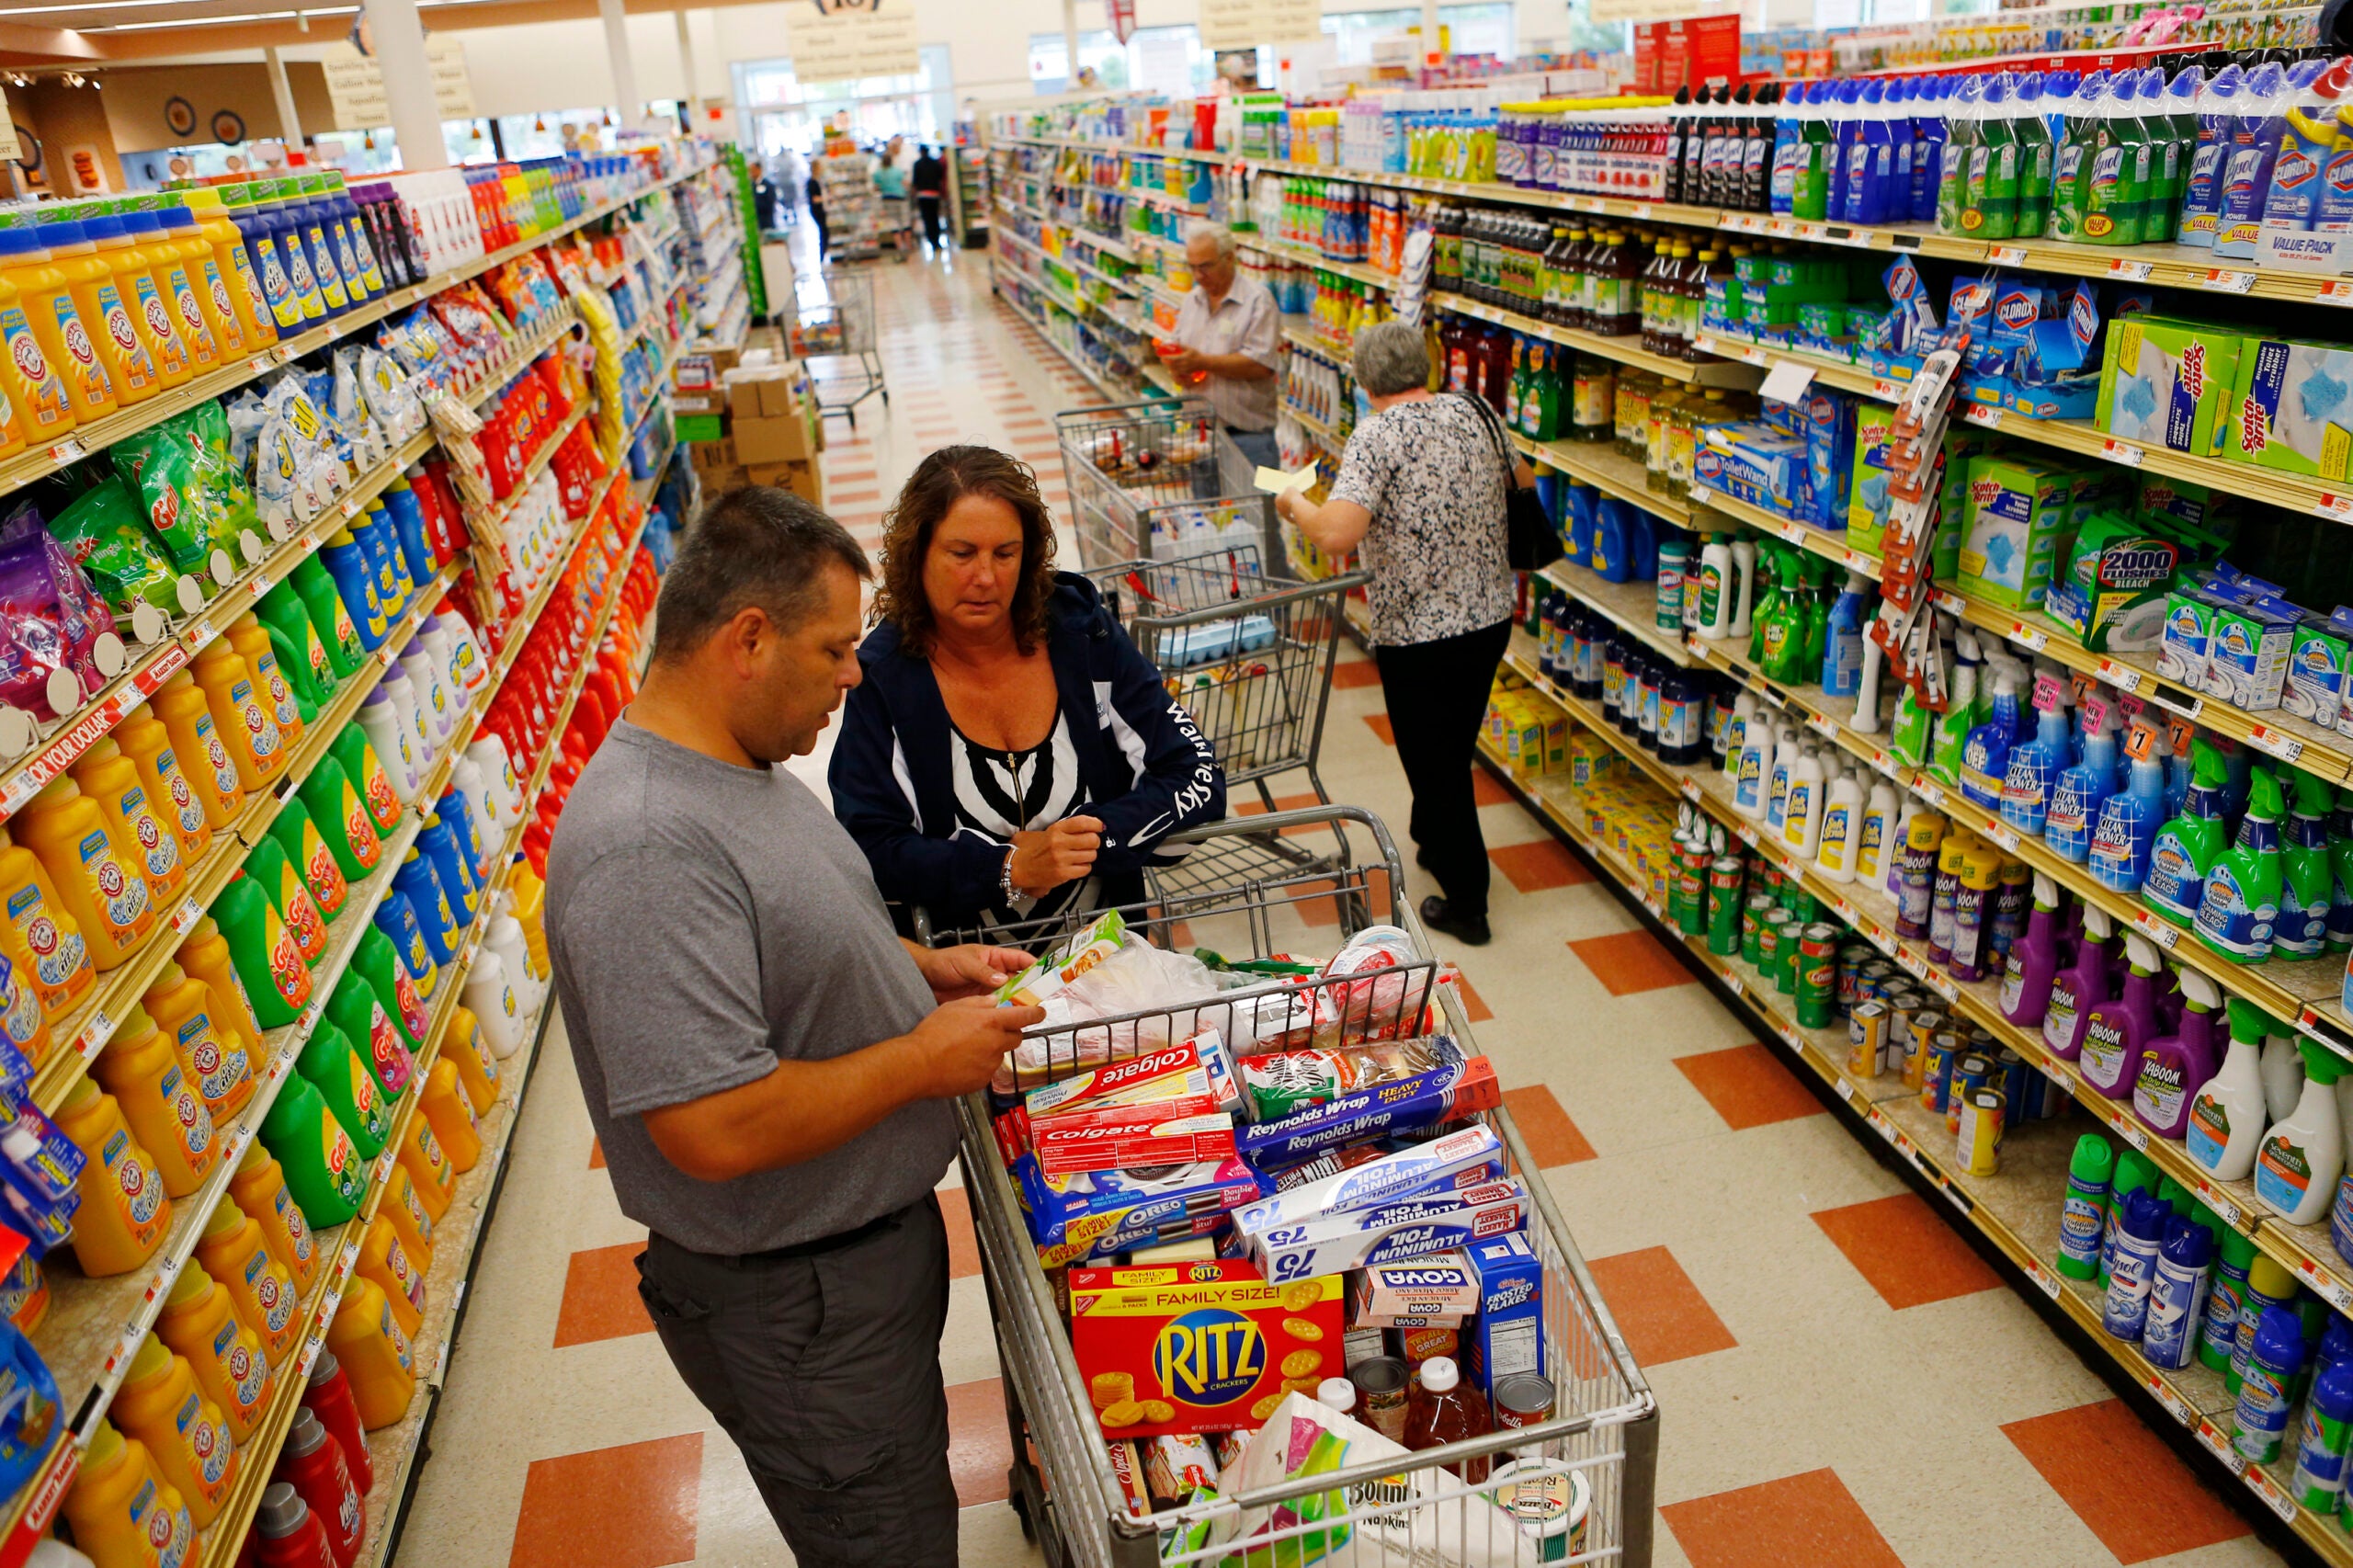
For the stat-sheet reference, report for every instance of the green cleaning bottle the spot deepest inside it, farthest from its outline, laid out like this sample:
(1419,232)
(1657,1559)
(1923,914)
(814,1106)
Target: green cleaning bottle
(342,819)
(1965,708)
(349,1090)
(2301,929)
(380,963)
(303,654)
(1782,630)
(267,865)
(324,1170)
(2225,1299)
(1817,613)
(1768,595)
(353,1009)
(2241,899)
(315,586)
(2188,845)
(306,849)
(2082,1214)
(267,960)
(351,748)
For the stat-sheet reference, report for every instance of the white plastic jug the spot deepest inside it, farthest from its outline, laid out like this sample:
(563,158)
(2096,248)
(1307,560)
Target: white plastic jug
(390,734)
(514,949)
(494,1005)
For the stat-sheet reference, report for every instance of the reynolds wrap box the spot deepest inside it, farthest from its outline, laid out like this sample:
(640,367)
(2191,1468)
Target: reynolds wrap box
(2021,516)
(2168,384)
(1412,1227)
(1444,1094)
(1200,1346)
(2294,403)
(1508,1338)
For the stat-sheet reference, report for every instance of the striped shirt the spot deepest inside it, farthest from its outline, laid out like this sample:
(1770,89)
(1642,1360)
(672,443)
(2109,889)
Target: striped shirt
(1245,321)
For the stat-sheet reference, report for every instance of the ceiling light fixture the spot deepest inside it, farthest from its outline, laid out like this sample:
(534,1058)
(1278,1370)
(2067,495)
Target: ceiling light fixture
(216,22)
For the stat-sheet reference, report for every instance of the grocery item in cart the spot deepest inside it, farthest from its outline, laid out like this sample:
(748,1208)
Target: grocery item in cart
(1417,1171)
(1410,1227)
(1202,1346)
(1377,986)
(1284,1083)
(1194,1066)
(1457,1087)
(1098,1214)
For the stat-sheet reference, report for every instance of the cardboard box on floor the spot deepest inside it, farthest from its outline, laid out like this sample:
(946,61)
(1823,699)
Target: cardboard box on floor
(772,412)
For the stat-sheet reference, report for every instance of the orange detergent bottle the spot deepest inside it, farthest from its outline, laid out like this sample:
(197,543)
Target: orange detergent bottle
(125,1515)
(34,377)
(250,638)
(212,298)
(406,1211)
(41,934)
(384,1261)
(205,957)
(112,780)
(427,1166)
(67,832)
(67,339)
(374,1353)
(170,794)
(234,266)
(255,744)
(201,1322)
(186,713)
(124,1213)
(259,1188)
(179,271)
(477,1068)
(21,1020)
(17,404)
(528,896)
(182,1431)
(129,363)
(219,1062)
(143,1074)
(135,281)
(235,1253)
(452,1116)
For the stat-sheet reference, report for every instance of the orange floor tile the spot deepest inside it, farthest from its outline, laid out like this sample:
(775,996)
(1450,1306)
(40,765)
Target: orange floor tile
(979,1444)
(1487,788)
(963,1250)
(1631,961)
(1550,1136)
(1355,675)
(1799,1521)
(597,1153)
(630,1507)
(601,1298)
(1379,723)
(2128,1487)
(1748,1086)
(1539,865)
(1473,1006)
(1661,1313)
(1906,1251)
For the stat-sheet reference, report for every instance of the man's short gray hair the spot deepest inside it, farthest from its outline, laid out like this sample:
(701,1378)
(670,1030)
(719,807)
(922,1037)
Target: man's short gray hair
(1216,234)
(1390,358)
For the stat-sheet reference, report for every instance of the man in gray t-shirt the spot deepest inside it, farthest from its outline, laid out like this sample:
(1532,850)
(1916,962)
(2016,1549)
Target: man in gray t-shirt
(767,1064)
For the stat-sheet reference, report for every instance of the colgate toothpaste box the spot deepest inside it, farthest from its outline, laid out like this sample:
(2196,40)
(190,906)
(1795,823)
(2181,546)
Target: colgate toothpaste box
(1414,1228)
(1110,1138)
(1444,1093)
(1408,1173)
(1194,1068)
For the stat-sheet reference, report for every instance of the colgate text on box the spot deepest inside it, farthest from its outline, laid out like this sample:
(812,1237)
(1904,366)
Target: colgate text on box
(1124,1137)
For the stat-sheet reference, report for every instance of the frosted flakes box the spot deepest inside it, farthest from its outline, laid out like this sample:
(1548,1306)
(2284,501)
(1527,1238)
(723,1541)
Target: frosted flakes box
(1200,1346)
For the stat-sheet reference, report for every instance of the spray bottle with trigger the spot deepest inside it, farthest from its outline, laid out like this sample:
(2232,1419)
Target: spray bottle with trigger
(1962,711)
(1985,753)
(2116,1033)
(2083,790)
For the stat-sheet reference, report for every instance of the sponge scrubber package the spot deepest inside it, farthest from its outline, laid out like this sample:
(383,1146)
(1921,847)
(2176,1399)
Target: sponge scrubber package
(2168,384)
(2293,404)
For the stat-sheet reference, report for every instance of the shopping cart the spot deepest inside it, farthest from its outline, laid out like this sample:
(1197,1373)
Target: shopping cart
(1250,656)
(1155,481)
(1406,1512)
(833,319)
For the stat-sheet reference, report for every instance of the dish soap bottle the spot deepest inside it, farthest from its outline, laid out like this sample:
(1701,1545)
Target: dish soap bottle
(2299,1160)
(2186,847)
(2115,1034)
(2241,899)
(2226,1114)
(2178,1066)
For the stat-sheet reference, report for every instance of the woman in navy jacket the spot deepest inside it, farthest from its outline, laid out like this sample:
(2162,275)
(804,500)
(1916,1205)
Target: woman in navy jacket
(1010,754)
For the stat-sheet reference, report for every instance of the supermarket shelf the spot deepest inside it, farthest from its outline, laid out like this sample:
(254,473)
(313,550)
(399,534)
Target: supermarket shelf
(522,350)
(1308,255)
(2329,499)
(1828,543)
(1828,371)
(1631,607)
(1601,465)
(496,520)
(1624,350)
(1298,332)
(1083,369)
(1331,439)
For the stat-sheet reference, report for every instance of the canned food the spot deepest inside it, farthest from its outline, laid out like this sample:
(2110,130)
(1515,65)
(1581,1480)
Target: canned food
(2012,1075)
(1816,975)
(1524,1399)
(1866,1040)
(1383,1388)
(1971,1070)
(1923,1027)
(1978,1131)
(1936,1070)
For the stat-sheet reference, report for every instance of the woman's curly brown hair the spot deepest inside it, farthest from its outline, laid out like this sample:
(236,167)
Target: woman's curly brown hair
(941,480)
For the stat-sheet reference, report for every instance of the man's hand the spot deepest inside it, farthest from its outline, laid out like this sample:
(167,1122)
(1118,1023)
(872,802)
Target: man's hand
(1062,853)
(1184,364)
(973,970)
(960,1046)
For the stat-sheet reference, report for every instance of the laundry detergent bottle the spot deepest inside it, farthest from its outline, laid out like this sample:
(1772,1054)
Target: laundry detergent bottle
(2188,845)
(349,1089)
(375,959)
(211,1047)
(123,1214)
(2116,1034)
(2033,963)
(68,832)
(203,756)
(143,1072)
(184,1434)
(353,749)
(268,866)
(306,849)
(169,791)
(124,1514)
(112,780)
(259,1188)
(205,957)
(342,819)
(2177,1066)
(374,1353)
(2307,882)
(353,1009)
(201,1322)
(41,933)
(234,1250)
(324,1169)
(2226,1114)
(267,960)
(477,1066)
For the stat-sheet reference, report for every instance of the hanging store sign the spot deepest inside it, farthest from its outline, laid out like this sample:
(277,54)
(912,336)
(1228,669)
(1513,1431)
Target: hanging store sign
(1122,14)
(1243,24)
(355,81)
(839,40)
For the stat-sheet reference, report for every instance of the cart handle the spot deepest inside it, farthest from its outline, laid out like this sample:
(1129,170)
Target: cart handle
(1256,604)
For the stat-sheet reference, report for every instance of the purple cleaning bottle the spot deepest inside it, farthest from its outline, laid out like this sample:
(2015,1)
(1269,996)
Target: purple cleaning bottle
(2116,1034)
(2177,1066)
(2077,989)
(2034,959)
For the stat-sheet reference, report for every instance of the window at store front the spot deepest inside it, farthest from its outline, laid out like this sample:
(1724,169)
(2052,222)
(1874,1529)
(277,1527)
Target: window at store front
(1149,59)
(781,113)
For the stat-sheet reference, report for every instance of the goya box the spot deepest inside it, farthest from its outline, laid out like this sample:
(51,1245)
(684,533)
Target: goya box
(1200,1346)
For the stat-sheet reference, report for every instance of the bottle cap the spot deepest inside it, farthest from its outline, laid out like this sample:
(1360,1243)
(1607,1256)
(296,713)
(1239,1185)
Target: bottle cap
(152,1359)
(226,1219)
(324,1369)
(283,1512)
(1337,1393)
(1439,1374)
(306,1434)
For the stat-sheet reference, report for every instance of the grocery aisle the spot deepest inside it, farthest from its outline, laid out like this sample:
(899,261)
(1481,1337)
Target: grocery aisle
(1843,1379)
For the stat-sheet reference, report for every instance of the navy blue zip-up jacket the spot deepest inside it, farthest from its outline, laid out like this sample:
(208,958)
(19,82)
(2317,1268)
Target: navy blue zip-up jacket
(1147,765)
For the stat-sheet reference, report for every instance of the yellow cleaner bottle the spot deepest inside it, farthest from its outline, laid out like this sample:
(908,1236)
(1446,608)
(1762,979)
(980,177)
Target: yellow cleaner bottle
(116,362)
(139,275)
(409,1218)
(124,1213)
(201,256)
(446,1107)
(182,1431)
(112,780)
(234,1250)
(187,715)
(125,1515)
(97,267)
(477,1068)
(142,1073)
(427,1167)
(42,935)
(374,1353)
(251,639)
(255,744)
(259,1188)
(201,1322)
(382,1260)
(205,957)
(144,740)
(60,345)
(215,1055)
(67,832)
(193,312)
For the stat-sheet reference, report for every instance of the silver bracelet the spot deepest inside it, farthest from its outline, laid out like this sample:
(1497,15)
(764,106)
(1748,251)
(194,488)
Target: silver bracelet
(1004,878)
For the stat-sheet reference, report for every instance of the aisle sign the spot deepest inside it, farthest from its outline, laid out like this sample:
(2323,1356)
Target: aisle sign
(1244,24)
(355,83)
(837,41)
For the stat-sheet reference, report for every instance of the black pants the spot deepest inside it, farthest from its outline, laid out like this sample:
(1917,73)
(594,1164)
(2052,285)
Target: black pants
(825,240)
(824,1370)
(1438,696)
(928,209)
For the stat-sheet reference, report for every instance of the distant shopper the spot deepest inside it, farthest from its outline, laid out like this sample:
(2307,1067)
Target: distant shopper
(1231,330)
(889,178)
(816,196)
(1011,756)
(930,184)
(770,1067)
(764,197)
(1421,493)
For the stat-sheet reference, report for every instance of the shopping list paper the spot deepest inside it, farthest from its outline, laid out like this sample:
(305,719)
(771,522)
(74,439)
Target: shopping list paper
(1274,481)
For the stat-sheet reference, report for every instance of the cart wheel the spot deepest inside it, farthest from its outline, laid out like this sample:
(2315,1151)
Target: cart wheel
(886,397)
(1021,1506)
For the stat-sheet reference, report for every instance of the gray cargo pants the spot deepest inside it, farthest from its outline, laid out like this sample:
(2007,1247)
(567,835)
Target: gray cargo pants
(823,1364)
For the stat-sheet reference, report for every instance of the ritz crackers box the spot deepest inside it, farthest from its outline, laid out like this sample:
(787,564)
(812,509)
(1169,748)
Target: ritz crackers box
(1200,1346)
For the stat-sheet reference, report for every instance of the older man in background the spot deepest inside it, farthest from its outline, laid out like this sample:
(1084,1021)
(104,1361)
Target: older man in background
(1231,332)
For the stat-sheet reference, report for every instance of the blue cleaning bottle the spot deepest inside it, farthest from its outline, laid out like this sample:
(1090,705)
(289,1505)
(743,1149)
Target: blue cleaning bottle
(2306,144)
(2334,214)
(2266,1386)
(2036,765)
(2179,770)
(1985,751)
(1786,146)
(346,562)
(2201,191)
(2081,790)
(2128,822)
(2255,133)
(408,531)
(1848,138)
(1869,159)
(2178,1293)
(1606,551)
(1927,145)
(1842,652)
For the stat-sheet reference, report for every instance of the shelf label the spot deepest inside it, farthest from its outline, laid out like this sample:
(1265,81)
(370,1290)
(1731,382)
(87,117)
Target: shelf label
(1978,414)
(2220,1203)
(2178,1407)
(2162,932)
(2333,507)
(2287,748)
(2131,1134)
(2005,255)
(2004,835)
(2028,637)
(187,914)
(66,451)
(2336,291)
(2220,1445)
(2259,1482)
(2130,271)
(2044,1281)
(2123,677)
(1928,791)
(2326,1285)
(1886,391)
(95,1034)
(2225,280)
(2123,453)
(1822,726)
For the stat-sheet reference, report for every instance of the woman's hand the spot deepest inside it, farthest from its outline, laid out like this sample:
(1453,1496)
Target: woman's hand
(1062,853)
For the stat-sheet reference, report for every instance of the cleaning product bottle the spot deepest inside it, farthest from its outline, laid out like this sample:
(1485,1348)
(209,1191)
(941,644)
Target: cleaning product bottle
(2247,178)
(427,1167)
(2177,1066)
(375,959)
(2201,194)
(1877,832)
(1842,662)
(160,1405)
(350,1091)
(2226,1295)
(2186,847)
(1803,802)
(1782,626)
(2226,1114)
(186,717)
(324,1169)
(2132,1265)
(383,1260)
(421,886)
(111,780)
(328,1397)
(218,1064)
(313,1465)
(288,1534)
(123,1214)
(2077,989)
(2340,862)
(250,638)
(2266,1384)
(2134,1173)
(477,1067)
(2307,883)
(493,1000)
(199,1320)
(234,1250)
(1752,766)
(205,955)
(2124,839)
(41,933)
(1834,852)
(353,1009)
(2241,897)
(2082,1214)
(445,1105)
(2300,1158)
(67,832)
(1985,750)
(392,736)
(2035,767)
(2178,1294)
(124,1514)
(142,1073)
(2115,1034)
(259,1188)
(2034,961)
(2081,790)
(331,619)
(256,747)
(2283,1071)
(374,1353)
(66,382)
(128,364)
(397,920)
(1964,710)
(313,863)
(342,819)
(267,866)
(145,742)
(352,748)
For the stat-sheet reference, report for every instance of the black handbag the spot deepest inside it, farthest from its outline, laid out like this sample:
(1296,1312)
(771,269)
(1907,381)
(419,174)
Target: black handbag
(1531,542)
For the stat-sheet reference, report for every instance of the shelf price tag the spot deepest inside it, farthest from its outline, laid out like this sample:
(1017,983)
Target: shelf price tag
(66,451)
(2336,291)
(2220,1203)
(1978,414)
(2164,1393)
(2044,1281)
(2130,271)
(2123,453)
(1886,391)
(2326,1285)
(2333,507)
(2220,1445)
(2028,637)
(2259,1482)
(1822,726)
(2004,835)
(2132,1134)
(2163,933)
(2287,748)
(2005,255)
(1929,793)
(2123,677)
(2225,280)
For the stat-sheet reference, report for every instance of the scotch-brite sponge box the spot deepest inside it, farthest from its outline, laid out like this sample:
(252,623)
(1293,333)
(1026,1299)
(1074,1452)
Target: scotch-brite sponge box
(2293,404)
(2018,522)
(2168,384)
(1867,493)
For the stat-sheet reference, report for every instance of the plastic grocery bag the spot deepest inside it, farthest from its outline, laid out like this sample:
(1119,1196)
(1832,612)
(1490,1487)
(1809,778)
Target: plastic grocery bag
(108,537)
(1371,988)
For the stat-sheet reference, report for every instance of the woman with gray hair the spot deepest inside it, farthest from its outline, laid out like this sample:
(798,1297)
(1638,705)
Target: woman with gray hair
(1421,493)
